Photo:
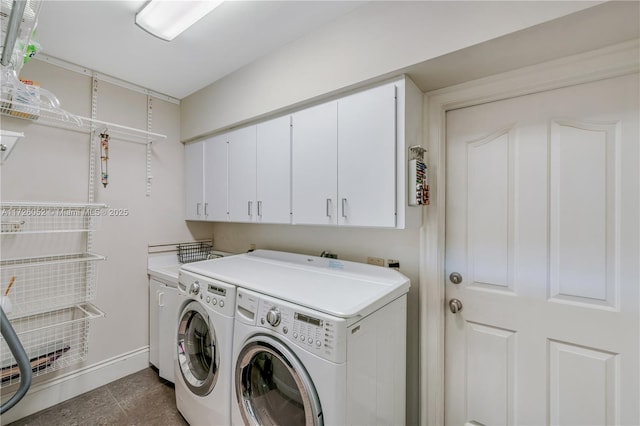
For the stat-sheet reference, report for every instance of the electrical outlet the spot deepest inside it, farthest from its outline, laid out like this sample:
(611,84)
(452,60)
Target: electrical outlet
(393,263)
(378,261)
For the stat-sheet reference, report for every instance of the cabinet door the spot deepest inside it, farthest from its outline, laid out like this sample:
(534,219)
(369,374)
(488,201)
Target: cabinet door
(167,333)
(367,158)
(314,165)
(242,174)
(155,290)
(215,179)
(194,187)
(273,183)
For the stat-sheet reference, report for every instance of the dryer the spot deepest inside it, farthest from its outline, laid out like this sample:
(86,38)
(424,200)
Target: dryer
(316,341)
(204,348)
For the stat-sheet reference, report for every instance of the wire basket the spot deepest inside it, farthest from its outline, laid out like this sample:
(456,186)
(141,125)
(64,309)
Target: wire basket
(194,252)
(52,340)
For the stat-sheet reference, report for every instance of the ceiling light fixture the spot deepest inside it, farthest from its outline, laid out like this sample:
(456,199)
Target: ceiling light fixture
(166,19)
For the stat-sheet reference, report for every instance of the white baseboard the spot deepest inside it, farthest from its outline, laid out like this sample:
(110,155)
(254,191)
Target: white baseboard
(49,393)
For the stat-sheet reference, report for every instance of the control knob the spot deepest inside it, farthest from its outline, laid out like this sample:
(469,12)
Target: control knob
(273,316)
(195,288)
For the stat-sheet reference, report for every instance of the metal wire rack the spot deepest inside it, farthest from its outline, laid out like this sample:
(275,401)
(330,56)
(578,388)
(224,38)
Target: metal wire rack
(26,218)
(48,283)
(52,340)
(194,252)
(46,296)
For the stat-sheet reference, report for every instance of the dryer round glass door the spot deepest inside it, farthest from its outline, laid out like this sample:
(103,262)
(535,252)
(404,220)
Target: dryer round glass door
(273,387)
(198,354)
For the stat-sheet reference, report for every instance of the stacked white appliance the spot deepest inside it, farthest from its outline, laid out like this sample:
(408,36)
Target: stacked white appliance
(315,340)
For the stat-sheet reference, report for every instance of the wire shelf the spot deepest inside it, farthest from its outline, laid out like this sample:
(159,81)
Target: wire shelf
(35,218)
(52,340)
(47,283)
(38,113)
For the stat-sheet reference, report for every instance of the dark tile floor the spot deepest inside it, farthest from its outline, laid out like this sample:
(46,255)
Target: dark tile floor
(142,398)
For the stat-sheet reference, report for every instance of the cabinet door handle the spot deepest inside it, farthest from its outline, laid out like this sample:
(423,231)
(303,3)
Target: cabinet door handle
(260,208)
(205,209)
(249,207)
(344,207)
(160,298)
(198,209)
(328,207)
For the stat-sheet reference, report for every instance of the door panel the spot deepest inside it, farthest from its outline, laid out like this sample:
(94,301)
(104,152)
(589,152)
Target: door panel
(242,174)
(543,224)
(274,171)
(194,188)
(215,179)
(366,158)
(314,164)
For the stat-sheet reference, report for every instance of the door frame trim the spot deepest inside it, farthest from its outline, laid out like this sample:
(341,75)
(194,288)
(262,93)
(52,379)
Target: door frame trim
(613,61)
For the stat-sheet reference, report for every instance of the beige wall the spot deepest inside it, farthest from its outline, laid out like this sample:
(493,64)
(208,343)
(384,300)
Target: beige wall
(51,165)
(374,40)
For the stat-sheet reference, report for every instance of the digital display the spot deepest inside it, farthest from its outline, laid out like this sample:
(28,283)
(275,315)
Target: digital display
(217,290)
(309,320)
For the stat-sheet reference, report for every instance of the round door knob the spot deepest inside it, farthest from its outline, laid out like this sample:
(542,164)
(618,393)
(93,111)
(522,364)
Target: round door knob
(273,316)
(455,305)
(195,288)
(455,277)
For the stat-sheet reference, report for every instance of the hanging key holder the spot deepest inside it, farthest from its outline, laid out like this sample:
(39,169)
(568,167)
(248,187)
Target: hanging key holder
(104,157)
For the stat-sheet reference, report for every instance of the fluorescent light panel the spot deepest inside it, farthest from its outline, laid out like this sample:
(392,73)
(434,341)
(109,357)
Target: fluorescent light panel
(166,19)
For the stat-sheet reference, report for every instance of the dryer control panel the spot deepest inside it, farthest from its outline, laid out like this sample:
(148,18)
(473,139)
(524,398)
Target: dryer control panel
(313,331)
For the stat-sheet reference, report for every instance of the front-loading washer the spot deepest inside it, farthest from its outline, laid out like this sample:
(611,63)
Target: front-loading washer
(204,348)
(316,341)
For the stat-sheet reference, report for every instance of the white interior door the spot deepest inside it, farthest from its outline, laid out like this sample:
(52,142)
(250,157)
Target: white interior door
(543,225)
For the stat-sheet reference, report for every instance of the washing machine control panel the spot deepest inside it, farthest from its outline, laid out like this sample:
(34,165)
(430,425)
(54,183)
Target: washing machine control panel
(321,334)
(215,294)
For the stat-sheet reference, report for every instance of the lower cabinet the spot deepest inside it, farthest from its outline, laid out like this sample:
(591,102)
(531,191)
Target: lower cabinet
(163,320)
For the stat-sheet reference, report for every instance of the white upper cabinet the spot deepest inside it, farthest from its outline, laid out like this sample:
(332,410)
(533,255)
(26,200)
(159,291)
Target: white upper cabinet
(215,179)
(206,179)
(242,174)
(194,183)
(367,158)
(349,158)
(343,162)
(273,183)
(314,167)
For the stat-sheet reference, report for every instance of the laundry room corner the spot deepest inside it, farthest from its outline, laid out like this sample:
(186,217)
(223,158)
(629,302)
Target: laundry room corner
(52,165)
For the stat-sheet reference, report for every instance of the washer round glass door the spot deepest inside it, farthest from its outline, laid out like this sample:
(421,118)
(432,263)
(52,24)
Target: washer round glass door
(198,354)
(273,387)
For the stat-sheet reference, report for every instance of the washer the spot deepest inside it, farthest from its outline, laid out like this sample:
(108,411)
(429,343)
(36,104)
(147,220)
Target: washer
(204,348)
(316,341)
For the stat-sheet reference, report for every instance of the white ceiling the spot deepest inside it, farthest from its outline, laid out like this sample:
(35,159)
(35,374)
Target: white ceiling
(102,36)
